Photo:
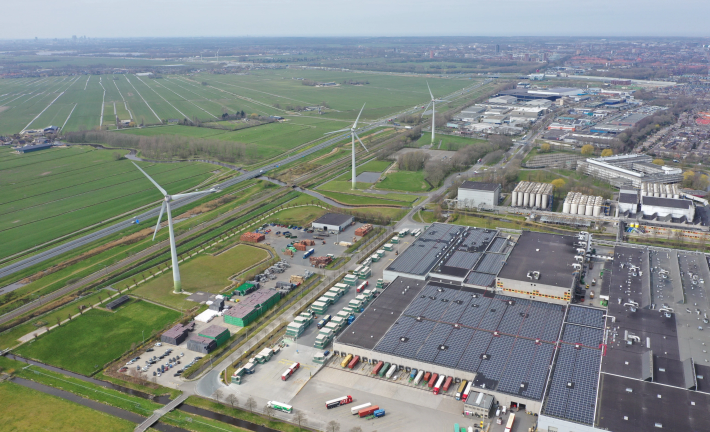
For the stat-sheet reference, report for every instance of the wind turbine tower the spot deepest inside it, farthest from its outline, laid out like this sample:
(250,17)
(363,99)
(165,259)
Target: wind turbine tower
(432,103)
(166,206)
(353,135)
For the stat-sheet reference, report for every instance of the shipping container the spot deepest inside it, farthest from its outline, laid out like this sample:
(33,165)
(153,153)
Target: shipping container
(384,369)
(368,411)
(461,389)
(377,367)
(357,409)
(379,413)
(447,383)
(418,378)
(354,362)
(426,378)
(439,384)
(346,361)
(338,401)
(433,379)
(324,321)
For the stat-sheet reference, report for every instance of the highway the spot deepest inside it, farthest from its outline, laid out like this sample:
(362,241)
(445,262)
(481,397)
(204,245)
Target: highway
(117,227)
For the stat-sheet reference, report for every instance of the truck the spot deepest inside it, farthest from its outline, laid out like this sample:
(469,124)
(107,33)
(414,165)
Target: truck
(357,409)
(447,383)
(384,369)
(342,400)
(346,361)
(509,425)
(412,375)
(293,368)
(418,379)
(439,384)
(309,253)
(426,378)
(368,411)
(432,381)
(461,389)
(354,362)
(390,372)
(362,286)
(325,320)
(377,367)
(594,282)
(379,413)
(467,391)
(591,295)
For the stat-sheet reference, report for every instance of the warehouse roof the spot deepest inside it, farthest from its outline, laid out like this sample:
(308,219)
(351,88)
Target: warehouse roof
(247,304)
(176,331)
(479,186)
(550,254)
(427,250)
(667,202)
(333,219)
(628,198)
(213,331)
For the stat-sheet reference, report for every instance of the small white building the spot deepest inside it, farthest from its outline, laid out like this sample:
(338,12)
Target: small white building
(676,208)
(473,194)
(628,200)
(333,222)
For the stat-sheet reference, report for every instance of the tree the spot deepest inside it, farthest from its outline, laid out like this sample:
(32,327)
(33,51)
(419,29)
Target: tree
(558,183)
(587,150)
(269,410)
(233,400)
(250,404)
(300,418)
(117,156)
(660,162)
(544,147)
(607,152)
(218,395)
(356,429)
(333,426)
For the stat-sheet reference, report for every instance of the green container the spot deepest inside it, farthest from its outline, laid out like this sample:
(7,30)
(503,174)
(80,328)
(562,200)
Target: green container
(384,369)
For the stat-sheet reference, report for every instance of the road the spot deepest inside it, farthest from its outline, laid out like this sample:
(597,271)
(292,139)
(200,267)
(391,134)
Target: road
(102,233)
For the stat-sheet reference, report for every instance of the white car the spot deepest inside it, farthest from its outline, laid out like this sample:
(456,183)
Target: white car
(158,344)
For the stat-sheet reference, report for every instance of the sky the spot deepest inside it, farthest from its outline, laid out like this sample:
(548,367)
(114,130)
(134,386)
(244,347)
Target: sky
(195,18)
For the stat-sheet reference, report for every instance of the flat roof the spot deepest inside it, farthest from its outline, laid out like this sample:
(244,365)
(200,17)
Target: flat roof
(628,198)
(176,331)
(480,186)
(212,331)
(666,202)
(333,219)
(421,256)
(550,254)
(507,342)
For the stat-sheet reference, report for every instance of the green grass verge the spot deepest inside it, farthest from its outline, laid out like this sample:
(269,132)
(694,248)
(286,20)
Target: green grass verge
(407,181)
(241,414)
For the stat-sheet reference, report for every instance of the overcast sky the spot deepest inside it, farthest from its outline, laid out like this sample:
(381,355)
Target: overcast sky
(24,19)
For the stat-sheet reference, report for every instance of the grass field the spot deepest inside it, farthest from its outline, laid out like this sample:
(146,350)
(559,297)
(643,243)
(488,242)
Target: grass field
(205,273)
(362,199)
(55,192)
(88,342)
(407,181)
(448,142)
(300,216)
(26,409)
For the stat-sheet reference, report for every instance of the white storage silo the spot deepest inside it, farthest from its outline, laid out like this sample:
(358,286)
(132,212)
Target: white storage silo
(590,207)
(676,191)
(514,198)
(566,206)
(538,196)
(573,205)
(582,208)
(598,206)
(656,192)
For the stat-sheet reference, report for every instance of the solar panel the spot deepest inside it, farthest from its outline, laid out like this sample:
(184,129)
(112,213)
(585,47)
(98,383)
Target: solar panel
(586,316)
(491,263)
(471,358)
(494,314)
(588,336)
(498,245)
(455,345)
(434,342)
(464,260)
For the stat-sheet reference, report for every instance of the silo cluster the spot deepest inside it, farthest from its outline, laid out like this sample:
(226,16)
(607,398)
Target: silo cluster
(660,190)
(579,204)
(532,194)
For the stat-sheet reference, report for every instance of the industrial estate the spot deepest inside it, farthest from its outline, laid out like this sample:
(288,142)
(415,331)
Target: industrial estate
(371,235)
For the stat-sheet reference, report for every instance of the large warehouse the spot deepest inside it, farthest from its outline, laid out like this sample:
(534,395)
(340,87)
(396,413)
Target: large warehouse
(474,194)
(629,170)
(333,222)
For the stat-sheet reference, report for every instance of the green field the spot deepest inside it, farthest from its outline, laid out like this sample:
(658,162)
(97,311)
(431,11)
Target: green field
(407,181)
(25,409)
(86,343)
(204,273)
(55,192)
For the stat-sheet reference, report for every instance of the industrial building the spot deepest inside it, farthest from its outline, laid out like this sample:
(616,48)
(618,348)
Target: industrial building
(201,344)
(216,333)
(474,194)
(177,334)
(532,195)
(656,201)
(33,148)
(333,222)
(251,307)
(631,170)
(579,204)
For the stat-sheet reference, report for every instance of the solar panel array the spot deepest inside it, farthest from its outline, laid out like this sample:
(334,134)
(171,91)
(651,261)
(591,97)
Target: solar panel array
(588,336)
(586,316)
(464,260)
(480,279)
(455,328)
(477,239)
(573,388)
(421,256)
(498,245)
(491,263)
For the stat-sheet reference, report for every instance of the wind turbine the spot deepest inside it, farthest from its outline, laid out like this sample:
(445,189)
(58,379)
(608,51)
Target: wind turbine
(432,102)
(353,134)
(166,205)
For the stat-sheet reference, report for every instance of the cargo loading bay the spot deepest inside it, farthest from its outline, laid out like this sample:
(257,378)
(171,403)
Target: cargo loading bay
(642,365)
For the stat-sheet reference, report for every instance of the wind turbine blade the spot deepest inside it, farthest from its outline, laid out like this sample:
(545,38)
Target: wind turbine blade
(425,109)
(363,145)
(338,131)
(358,117)
(157,226)
(430,94)
(151,180)
(185,195)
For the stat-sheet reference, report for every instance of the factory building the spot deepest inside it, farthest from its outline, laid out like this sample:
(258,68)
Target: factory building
(585,205)
(656,200)
(474,194)
(631,170)
(333,222)
(532,195)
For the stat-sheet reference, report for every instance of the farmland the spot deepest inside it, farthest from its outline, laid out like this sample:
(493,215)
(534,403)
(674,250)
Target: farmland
(55,192)
(88,342)
(206,273)
(75,102)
